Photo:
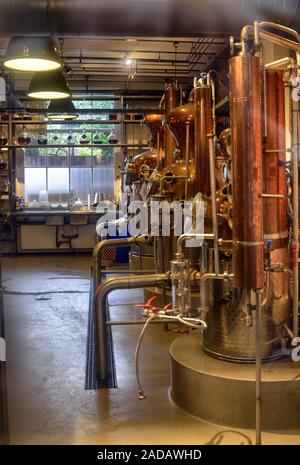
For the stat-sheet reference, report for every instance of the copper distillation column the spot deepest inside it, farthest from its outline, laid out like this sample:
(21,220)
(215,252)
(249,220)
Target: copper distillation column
(203,127)
(247,206)
(274,176)
(275,196)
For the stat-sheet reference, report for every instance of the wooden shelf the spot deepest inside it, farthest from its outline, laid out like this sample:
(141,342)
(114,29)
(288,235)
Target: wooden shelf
(69,146)
(72,122)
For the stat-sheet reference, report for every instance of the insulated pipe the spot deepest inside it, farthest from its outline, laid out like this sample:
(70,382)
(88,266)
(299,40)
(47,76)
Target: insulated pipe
(132,282)
(247,206)
(185,237)
(107,243)
(202,280)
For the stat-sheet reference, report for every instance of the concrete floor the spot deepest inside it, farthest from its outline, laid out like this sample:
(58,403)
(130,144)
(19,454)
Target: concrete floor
(46,304)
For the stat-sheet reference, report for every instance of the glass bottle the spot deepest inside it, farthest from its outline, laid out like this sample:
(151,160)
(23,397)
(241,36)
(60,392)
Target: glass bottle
(83,140)
(24,138)
(70,139)
(42,139)
(56,138)
(112,138)
(3,137)
(97,138)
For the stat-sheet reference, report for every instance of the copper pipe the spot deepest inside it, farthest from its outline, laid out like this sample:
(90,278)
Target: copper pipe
(187,158)
(171,101)
(212,175)
(274,175)
(282,63)
(158,145)
(247,207)
(258,32)
(203,126)
(295,171)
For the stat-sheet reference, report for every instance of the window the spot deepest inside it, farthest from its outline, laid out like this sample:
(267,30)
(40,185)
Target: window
(68,171)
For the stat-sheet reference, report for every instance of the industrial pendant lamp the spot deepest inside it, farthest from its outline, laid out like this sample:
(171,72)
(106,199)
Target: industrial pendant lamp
(48,86)
(27,53)
(61,109)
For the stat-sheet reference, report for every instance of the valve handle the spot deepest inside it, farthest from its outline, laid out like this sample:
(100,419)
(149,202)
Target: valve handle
(148,304)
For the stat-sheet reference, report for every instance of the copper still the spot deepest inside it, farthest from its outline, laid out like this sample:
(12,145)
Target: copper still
(154,123)
(178,178)
(144,163)
(161,141)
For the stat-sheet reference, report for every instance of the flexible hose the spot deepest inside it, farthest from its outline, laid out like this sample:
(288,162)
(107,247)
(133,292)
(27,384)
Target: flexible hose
(137,353)
(186,321)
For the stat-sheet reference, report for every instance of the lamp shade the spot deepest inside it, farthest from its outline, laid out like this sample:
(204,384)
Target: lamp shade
(48,86)
(61,109)
(27,53)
